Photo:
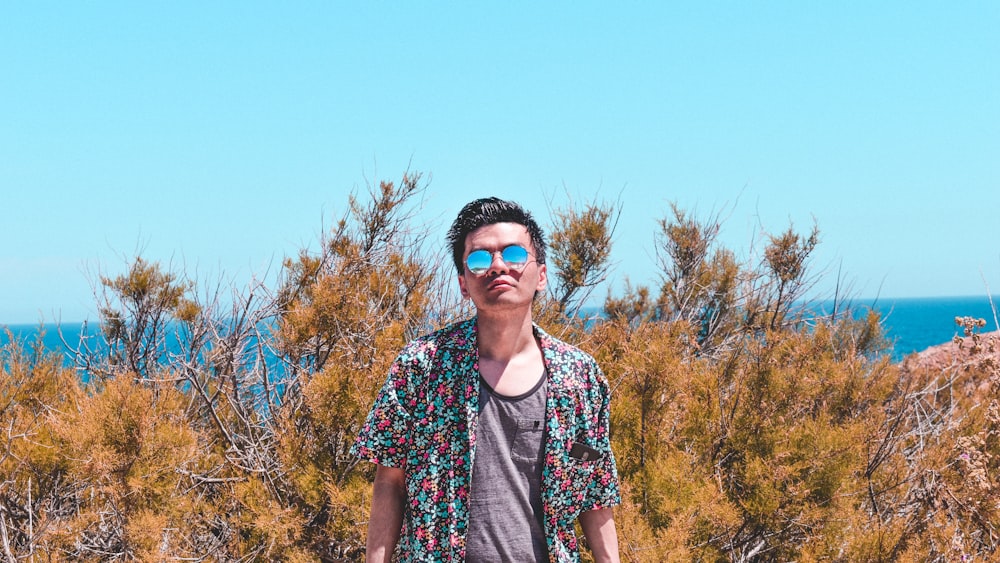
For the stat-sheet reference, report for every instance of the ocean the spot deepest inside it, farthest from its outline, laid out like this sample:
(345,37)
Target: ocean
(917,323)
(913,324)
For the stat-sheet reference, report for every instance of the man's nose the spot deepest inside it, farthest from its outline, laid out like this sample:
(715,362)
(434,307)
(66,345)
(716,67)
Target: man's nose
(498,266)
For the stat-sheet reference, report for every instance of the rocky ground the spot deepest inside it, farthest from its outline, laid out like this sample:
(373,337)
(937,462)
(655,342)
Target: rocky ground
(955,354)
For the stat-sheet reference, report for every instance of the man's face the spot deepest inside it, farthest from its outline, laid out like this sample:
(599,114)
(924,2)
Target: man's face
(501,286)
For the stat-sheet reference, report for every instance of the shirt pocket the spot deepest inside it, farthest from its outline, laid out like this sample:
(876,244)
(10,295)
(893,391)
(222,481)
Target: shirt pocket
(575,477)
(529,441)
(581,457)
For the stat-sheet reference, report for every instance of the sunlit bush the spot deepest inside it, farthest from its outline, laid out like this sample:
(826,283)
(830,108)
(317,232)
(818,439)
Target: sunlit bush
(207,425)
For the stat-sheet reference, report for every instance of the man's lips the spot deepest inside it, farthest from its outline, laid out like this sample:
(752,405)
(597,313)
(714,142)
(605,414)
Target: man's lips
(499,283)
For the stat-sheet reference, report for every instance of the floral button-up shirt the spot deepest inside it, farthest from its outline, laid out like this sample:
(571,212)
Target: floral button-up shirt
(424,420)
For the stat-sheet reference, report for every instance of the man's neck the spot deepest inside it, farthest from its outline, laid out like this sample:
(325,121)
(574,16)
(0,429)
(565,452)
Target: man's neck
(502,337)
(510,361)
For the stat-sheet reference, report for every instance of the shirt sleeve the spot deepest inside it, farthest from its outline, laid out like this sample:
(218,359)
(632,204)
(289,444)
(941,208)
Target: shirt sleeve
(385,435)
(603,491)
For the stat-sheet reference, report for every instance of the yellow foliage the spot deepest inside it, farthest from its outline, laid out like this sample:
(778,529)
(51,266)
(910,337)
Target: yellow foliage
(743,430)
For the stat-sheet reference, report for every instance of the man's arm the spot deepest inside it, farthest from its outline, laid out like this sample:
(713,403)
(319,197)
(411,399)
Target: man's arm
(386,520)
(599,529)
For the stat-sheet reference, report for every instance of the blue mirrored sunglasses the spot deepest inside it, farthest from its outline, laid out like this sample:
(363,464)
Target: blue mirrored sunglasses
(479,261)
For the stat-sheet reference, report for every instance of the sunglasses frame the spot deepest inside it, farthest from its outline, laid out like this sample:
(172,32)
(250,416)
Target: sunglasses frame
(512,262)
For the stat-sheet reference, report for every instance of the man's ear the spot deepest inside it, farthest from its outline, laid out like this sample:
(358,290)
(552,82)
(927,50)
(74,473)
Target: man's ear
(461,286)
(543,278)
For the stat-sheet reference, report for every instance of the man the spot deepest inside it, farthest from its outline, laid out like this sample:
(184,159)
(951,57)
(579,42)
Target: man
(491,436)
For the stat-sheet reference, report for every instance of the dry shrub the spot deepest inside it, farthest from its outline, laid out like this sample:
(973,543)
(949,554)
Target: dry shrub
(745,429)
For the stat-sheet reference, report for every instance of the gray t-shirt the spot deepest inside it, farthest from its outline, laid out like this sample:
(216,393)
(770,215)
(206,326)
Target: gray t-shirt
(505,506)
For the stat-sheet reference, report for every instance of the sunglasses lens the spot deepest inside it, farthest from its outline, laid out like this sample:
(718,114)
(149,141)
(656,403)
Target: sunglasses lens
(479,261)
(515,256)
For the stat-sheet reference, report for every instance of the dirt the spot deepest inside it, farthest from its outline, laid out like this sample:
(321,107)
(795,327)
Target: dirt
(954,354)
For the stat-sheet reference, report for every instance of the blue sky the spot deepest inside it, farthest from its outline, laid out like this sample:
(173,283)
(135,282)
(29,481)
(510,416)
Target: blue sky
(220,137)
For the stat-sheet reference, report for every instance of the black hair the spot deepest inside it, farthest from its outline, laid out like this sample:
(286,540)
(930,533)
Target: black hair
(487,211)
